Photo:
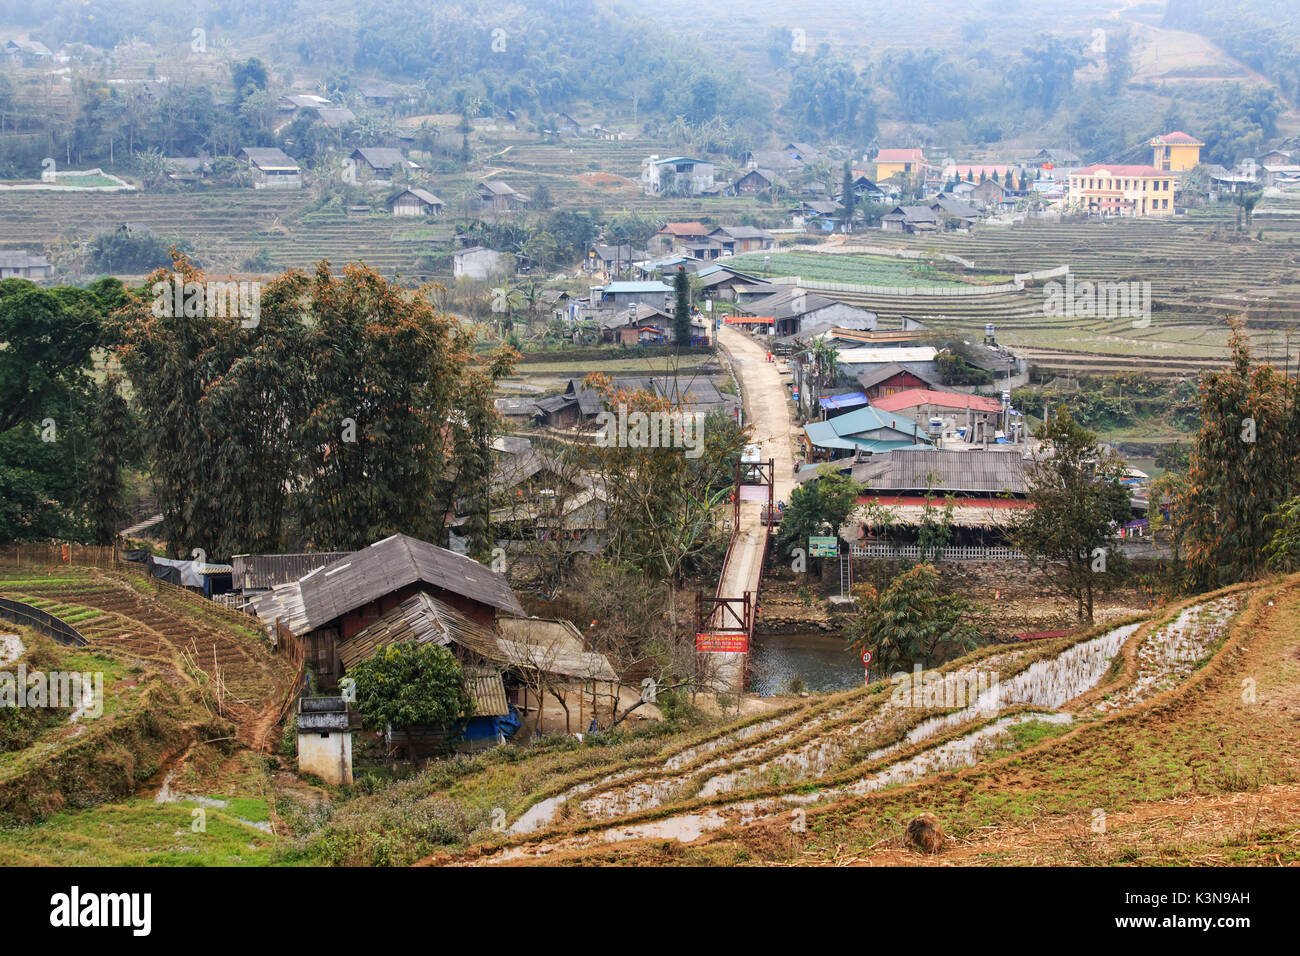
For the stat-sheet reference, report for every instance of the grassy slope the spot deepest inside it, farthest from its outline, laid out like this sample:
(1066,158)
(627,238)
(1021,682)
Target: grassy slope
(1197,776)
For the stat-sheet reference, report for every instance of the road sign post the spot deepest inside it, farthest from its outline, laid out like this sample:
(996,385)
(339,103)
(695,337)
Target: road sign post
(866,663)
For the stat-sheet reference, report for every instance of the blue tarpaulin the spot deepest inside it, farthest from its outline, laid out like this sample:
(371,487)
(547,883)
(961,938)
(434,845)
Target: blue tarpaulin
(492,728)
(852,400)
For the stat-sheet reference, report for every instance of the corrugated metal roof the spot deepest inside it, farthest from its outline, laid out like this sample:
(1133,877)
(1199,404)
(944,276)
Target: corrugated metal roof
(394,562)
(915,469)
(268,570)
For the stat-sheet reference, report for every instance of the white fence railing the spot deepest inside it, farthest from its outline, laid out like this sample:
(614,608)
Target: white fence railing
(946,291)
(877,549)
(1133,547)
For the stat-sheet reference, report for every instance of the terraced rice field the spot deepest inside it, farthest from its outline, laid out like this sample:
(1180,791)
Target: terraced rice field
(1201,274)
(988,705)
(224,226)
(188,646)
(853,269)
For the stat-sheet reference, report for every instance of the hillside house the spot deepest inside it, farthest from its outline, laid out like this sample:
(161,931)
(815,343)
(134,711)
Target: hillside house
(757,181)
(566,125)
(690,393)
(272,168)
(34,49)
(804,153)
(1105,190)
(970,417)
(641,324)
(675,236)
(415,202)
(819,214)
(478,262)
(793,310)
(377,164)
(987,488)
(626,294)
(499,198)
(899,162)
(1274,157)
(336,117)
(893,377)
(735,240)
(1175,152)
(862,430)
(918,359)
(954,214)
(910,219)
(676,175)
(1280,177)
(1055,163)
(864,189)
(379,94)
(611,259)
(989,194)
(20,264)
(727,285)
(332,605)
(187,169)
(292,102)
(777,160)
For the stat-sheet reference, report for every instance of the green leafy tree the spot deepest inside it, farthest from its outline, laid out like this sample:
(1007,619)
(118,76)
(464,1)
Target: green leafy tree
(410,684)
(1244,465)
(682,308)
(111,441)
(848,198)
(911,622)
(816,505)
(1077,500)
(1283,550)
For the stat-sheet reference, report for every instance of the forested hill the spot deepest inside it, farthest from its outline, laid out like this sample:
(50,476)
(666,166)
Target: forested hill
(725,78)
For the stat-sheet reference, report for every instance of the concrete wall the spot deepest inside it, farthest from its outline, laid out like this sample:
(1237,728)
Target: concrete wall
(328,757)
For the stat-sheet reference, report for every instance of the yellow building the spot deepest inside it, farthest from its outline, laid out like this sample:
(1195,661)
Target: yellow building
(1122,191)
(1175,152)
(894,162)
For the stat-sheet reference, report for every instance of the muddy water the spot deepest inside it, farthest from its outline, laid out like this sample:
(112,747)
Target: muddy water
(821,661)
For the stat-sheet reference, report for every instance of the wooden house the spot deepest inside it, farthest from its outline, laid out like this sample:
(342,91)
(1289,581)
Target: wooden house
(735,240)
(891,377)
(332,604)
(910,219)
(272,167)
(377,164)
(498,197)
(757,181)
(415,202)
(21,264)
